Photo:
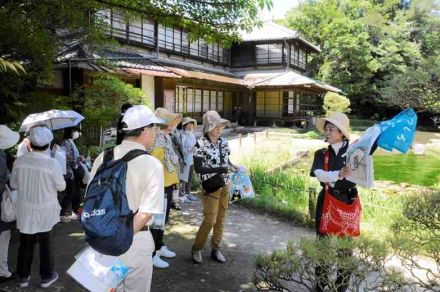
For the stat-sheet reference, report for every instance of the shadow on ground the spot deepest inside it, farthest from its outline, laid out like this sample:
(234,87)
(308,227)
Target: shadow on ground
(246,234)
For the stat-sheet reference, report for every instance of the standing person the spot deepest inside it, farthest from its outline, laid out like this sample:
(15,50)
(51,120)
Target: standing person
(119,131)
(211,161)
(37,177)
(187,140)
(8,139)
(144,191)
(336,131)
(163,150)
(71,202)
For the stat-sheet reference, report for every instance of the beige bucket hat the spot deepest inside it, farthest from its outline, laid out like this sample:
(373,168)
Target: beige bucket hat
(187,120)
(172,119)
(212,119)
(340,120)
(8,138)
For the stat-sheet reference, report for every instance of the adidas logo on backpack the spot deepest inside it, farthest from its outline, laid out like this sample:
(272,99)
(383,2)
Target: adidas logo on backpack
(106,219)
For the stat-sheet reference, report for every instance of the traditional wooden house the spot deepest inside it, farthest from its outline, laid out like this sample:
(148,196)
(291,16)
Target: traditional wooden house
(257,80)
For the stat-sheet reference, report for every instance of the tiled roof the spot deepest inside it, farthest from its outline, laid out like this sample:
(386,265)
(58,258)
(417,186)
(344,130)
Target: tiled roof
(271,31)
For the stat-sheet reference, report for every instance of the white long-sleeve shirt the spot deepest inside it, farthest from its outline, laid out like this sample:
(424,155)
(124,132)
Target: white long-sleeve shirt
(329,176)
(37,177)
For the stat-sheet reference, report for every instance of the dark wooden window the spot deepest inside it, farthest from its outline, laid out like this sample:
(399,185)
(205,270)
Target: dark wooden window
(289,101)
(298,57)
(142,30)
(269,53)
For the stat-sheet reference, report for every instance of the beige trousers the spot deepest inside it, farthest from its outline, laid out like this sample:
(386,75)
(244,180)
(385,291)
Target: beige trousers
(214,213)
(139,261)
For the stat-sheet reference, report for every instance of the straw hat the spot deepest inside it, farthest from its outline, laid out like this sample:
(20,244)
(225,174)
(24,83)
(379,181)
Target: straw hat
(8,138)
(212,119)
(172,119)
(340,120)
(187,120)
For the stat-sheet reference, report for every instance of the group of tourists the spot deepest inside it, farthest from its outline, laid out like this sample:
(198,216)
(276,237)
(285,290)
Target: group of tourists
(155,184)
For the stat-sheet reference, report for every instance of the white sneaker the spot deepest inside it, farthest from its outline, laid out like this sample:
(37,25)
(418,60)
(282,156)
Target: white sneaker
(65,219)
(158,263)
(166,253)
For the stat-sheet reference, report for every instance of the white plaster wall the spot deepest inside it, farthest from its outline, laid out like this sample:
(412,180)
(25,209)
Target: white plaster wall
(147,85)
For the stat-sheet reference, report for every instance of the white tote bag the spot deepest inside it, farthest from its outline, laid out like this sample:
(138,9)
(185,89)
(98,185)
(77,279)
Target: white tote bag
(8,205)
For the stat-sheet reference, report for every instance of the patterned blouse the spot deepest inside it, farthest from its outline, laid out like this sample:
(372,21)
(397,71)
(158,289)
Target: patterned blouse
(209,152)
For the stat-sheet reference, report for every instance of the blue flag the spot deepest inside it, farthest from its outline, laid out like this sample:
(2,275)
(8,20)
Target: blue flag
(398,133)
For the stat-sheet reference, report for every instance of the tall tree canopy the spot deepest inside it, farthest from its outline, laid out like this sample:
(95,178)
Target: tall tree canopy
(33,32)
(375,51)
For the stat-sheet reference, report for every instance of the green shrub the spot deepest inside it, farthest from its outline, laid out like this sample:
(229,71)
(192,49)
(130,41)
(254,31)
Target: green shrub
(334,102)
(416,238)
(286,270)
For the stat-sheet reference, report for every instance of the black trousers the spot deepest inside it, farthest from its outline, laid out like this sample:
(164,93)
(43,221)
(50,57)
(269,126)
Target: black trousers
(26,254)
(72,199)
(158,233)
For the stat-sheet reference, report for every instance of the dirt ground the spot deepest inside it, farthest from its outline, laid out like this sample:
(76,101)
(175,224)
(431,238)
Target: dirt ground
(247,234)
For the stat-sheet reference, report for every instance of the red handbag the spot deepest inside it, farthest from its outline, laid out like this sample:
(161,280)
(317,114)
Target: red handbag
(339,218)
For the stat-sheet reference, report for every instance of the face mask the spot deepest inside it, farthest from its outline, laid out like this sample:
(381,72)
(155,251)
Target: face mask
(75,135)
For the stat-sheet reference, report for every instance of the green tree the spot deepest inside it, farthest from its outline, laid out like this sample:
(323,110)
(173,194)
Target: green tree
(367,46)
(102,100)
(32,33)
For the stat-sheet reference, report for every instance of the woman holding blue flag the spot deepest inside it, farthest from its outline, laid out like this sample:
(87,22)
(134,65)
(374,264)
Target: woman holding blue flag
(337,192)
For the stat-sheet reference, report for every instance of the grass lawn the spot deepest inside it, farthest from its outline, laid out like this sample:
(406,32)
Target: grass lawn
(413,169)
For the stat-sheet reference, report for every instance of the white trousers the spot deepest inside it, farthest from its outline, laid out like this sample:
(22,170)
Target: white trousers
(139,261)
(5,236)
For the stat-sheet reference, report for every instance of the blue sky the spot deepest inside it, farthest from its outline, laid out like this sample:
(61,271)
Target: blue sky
(279,9)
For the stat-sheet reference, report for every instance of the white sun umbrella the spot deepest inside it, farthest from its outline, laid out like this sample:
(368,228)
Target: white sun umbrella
(53,119)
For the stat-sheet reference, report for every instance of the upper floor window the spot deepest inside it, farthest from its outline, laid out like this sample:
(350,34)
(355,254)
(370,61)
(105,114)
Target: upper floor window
(139,30)
(142,30)
(269,53)
(298,57)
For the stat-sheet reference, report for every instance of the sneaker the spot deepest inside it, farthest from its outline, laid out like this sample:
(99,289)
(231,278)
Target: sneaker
(65,219)
(217,255)
(48,282)
(158,263)
(4,279)
(176,206)
(192,197)
(166,253)
(197,256)
(74,216)
(24,282)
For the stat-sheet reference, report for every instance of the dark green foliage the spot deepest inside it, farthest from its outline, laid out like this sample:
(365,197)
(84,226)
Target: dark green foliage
(375,50)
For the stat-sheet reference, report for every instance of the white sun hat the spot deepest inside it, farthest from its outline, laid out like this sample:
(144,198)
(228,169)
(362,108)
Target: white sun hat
(340,120)
(8,138)
(40,136)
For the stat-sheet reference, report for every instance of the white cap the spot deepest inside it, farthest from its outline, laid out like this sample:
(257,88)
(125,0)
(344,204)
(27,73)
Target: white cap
(8,138)
(139,116)
(40,136)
